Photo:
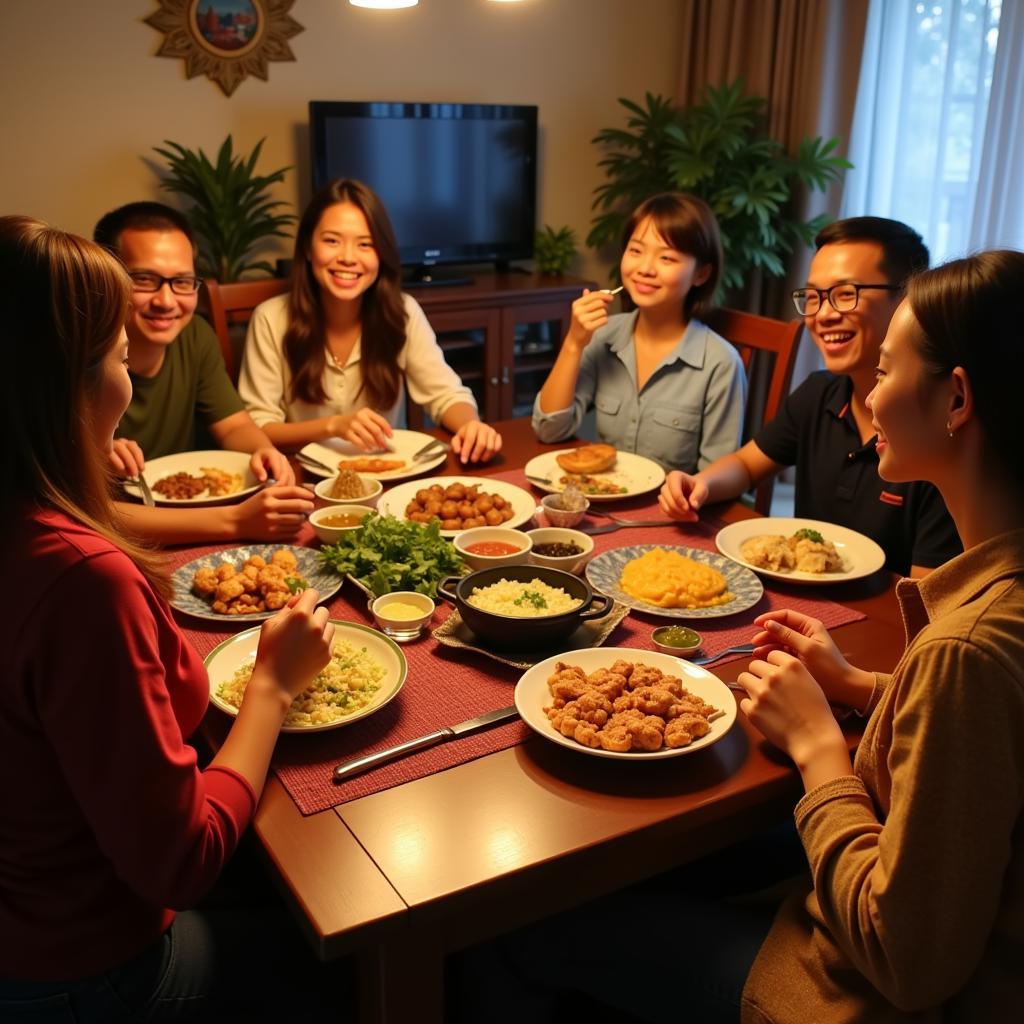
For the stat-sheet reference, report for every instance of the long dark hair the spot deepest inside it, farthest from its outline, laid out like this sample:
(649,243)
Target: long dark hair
(63,305)
(382,312)
(971,314)
(688,225)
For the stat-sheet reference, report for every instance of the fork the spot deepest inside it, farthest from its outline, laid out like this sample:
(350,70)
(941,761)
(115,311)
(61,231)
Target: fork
(737,649)
(144,492)
(622,521)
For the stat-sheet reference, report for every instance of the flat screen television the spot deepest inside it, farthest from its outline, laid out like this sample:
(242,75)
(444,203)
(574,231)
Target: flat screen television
(459,180)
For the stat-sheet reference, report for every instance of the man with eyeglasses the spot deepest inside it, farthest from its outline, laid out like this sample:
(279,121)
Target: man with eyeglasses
(854,285)
(182,397)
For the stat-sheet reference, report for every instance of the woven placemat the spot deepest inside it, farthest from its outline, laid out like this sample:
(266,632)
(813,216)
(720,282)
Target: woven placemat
(453,632)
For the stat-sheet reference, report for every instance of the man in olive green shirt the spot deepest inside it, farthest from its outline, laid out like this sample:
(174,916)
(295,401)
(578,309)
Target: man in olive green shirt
(182,398)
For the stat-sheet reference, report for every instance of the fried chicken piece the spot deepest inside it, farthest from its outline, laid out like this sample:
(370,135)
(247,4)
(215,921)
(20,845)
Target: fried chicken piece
(647,732)
(568,687)
(594,708)
(609,683)
(682,731)
(205,581)
(225,571)
(673,684)
(284,558)
(229,589)
(644,675)
(622,668)
(275,599)
(587,734)
(651,700)
(616,738)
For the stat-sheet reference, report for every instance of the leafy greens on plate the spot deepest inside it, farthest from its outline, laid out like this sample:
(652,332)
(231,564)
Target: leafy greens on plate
(390,554)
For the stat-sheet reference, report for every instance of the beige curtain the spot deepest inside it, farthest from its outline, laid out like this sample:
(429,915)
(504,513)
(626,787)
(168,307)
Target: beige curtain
(804,57)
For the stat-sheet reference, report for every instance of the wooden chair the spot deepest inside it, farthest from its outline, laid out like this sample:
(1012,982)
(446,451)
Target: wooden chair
(231,305)
(768,349)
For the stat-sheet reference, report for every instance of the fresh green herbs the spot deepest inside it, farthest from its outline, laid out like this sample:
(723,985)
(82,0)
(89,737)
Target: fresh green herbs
(532,597)
(806,534)
(390,554)
(296,583)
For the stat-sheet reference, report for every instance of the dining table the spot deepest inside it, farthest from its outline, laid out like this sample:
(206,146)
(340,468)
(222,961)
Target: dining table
(417,860)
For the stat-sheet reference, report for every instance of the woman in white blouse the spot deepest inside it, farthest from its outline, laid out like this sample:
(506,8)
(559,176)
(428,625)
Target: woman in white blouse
(332,357)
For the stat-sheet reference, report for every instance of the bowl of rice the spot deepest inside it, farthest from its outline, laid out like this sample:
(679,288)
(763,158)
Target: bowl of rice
(523,606)
(348,488)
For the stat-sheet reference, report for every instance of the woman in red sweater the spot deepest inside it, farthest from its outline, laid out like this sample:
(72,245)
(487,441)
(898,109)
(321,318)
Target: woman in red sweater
(109,825)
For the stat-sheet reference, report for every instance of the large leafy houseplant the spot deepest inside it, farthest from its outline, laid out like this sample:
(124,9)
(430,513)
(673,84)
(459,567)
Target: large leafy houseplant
(717,150)
(232,212)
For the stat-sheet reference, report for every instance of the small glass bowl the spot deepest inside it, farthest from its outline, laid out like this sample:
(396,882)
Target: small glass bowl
(686,646)
(399,628)
(559,516)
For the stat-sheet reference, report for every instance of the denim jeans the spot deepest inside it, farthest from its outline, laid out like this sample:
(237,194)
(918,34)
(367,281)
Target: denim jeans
(209,966)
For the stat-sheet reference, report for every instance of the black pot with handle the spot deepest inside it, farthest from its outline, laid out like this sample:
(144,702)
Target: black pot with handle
(531,633)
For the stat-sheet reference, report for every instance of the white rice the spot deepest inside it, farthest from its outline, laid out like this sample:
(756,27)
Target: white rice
(535,599)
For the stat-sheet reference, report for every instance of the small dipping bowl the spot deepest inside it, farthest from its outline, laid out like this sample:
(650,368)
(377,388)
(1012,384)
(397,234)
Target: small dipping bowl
(331,533)
(681,641)
(488,535)
(372,490)
(403,614)
(558,535)
(558,516)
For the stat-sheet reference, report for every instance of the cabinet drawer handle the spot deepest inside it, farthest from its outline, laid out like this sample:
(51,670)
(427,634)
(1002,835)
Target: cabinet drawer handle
(494,382)
(505,375)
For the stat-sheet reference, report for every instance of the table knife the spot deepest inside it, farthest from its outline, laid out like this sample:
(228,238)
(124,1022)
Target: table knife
(429,450)
(362,764)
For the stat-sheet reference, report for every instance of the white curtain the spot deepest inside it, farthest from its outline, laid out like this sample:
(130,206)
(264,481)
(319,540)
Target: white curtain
(937,140)
(998,220)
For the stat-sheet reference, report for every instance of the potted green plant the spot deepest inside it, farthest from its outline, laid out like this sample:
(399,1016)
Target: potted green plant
(717,150)
(553,250)
(232,211)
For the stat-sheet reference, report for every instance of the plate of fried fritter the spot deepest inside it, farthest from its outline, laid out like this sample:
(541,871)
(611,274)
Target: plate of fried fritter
(249,584)
(396,463)
(625,703)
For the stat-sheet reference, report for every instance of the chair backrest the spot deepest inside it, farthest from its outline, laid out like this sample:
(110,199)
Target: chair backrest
(229,305)
(768,375)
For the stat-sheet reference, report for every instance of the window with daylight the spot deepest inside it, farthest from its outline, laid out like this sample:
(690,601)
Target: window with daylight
(936,129)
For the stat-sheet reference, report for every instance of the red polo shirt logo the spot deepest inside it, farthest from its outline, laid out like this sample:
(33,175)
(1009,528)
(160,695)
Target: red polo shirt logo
(891,499)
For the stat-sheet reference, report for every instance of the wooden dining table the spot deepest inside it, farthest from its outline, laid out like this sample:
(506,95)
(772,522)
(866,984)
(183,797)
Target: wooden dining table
(408,875)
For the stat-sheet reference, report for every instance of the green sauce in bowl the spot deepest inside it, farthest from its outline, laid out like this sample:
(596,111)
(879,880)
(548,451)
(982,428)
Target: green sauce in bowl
(677,638)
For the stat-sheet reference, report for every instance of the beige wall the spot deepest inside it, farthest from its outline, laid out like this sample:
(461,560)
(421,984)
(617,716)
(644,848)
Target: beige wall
(85,98)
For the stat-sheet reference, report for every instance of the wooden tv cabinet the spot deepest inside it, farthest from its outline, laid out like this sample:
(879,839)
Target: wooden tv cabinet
(500,333)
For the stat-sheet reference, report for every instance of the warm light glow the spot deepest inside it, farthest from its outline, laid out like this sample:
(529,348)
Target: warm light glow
(384,5)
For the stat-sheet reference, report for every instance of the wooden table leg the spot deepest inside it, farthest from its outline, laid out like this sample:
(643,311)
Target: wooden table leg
(402,980)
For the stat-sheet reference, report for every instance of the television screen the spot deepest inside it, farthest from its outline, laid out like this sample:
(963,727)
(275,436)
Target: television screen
(458,179)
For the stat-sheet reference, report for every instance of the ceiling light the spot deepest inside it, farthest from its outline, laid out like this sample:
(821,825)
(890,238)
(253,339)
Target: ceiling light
(384,5)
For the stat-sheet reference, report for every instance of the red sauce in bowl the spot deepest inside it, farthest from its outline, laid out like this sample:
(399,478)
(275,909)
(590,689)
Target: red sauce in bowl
(493,547)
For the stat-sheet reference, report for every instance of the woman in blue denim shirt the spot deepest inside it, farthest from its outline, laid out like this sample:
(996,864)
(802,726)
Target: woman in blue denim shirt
(664,385)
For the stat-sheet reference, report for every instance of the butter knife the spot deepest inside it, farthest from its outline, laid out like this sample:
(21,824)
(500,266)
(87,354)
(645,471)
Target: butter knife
(362,764)
(429,450)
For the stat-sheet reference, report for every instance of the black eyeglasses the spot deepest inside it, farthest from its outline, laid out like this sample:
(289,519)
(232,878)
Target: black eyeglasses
(842,297)
(183,284)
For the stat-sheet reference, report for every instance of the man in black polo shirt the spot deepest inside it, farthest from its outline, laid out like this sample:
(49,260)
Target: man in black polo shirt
(854,285)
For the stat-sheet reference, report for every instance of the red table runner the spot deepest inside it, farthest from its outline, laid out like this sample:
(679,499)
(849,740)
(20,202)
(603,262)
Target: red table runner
(447,685)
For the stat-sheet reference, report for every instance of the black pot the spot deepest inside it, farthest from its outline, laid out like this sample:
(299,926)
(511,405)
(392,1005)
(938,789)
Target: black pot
(507,631)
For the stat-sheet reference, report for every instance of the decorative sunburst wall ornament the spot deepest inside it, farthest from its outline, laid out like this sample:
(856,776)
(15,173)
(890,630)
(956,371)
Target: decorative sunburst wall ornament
(226,40)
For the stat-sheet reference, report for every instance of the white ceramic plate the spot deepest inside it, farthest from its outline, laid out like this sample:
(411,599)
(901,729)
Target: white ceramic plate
(861,555)
(532,696)
(192,462)
(240,650)
(604,572)
(406,444)
(638,475)
(326,581)
(394,502)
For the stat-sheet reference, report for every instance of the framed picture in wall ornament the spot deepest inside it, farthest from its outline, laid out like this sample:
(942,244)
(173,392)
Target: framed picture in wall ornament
(226,40)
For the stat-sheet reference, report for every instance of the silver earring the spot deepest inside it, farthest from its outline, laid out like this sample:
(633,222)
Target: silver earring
(949,427)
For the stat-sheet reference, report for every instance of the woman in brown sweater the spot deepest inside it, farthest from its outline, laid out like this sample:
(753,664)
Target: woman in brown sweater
(916,851)
(915,905)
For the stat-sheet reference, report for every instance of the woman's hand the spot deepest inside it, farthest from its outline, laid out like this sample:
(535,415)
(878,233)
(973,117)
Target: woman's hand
(365,429)
(295,645)
(788,707)
(807,639)
(682,496)
(589,312)
(476,442)
(270,463)
(273,513)
(126,458)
